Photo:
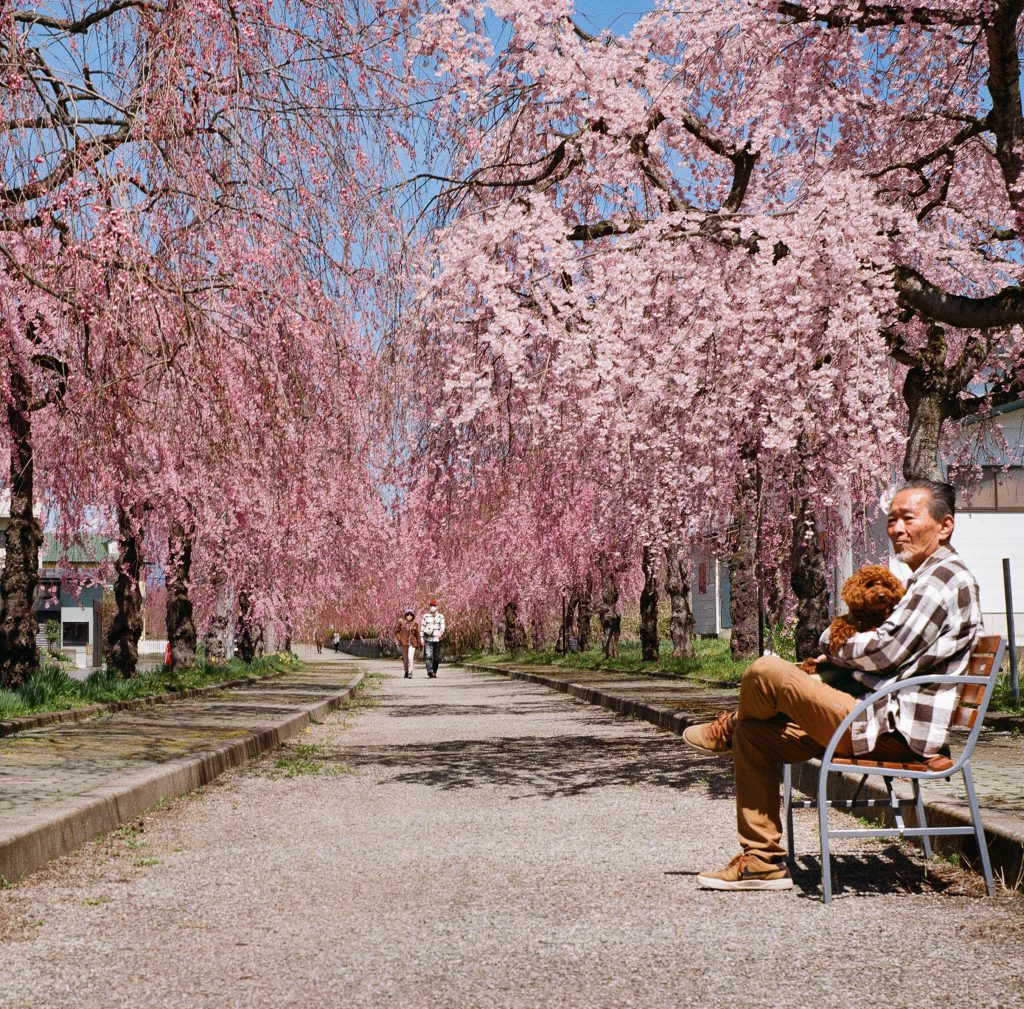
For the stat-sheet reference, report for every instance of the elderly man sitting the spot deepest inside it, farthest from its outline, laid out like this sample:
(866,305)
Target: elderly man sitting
(786,716)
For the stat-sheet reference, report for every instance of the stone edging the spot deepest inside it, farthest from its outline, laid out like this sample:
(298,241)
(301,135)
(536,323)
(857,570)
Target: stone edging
(10,726)
(64,827)
(998,721)
(1005,837)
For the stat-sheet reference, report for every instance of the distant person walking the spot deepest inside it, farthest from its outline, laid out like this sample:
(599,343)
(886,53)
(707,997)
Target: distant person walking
(318,640)
(407,634)
(336,641)
(431,632)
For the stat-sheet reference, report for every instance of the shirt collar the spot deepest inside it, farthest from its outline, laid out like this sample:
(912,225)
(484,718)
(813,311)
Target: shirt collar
(941,554)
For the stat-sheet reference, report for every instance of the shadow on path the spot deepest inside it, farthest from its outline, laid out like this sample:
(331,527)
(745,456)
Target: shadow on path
(550,766)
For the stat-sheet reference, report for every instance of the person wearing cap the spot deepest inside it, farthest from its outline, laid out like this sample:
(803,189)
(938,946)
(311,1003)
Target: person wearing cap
(431,632)
(407,634)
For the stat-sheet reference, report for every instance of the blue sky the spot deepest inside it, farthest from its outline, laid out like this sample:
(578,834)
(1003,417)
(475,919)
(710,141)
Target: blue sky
(618,15)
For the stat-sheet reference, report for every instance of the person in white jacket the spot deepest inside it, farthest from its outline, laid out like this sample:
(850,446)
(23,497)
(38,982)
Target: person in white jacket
(431,632)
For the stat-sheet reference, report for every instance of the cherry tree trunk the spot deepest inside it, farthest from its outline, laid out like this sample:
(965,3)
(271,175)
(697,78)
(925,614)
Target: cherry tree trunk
(216,633)
(677,585)
(743,602)
(515,632)
(583,613)
(181,628)
(927,411)
(809,583)
(649,644)
(20,576)
(249,639)
(122,639)
(611,622)
(567,640)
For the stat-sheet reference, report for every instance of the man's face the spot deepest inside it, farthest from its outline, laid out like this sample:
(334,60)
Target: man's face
(914,534)
(433,609)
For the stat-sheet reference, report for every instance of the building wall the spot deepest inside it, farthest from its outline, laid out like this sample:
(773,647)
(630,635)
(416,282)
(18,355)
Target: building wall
(983,539)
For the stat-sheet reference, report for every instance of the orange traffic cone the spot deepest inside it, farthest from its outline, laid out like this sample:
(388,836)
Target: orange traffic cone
(167,656)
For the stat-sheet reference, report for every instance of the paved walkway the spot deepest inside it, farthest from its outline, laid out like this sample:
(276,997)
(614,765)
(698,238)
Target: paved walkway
(64,783)
(473,842)
(998,761)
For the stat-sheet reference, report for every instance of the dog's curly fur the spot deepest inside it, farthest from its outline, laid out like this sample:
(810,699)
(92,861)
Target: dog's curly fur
(870,594)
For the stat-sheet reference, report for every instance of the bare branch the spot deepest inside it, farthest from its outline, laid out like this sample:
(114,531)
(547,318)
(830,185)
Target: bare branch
(875,15)
(82,25)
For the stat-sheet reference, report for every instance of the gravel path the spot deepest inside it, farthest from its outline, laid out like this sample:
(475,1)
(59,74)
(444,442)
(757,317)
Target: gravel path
(474,842)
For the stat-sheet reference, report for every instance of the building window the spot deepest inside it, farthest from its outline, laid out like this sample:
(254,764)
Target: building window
(48,599)
(999,491)
(76,633)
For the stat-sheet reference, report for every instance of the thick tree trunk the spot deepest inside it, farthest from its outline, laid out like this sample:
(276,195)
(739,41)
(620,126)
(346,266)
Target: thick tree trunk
(809,583)
(677,585)
(215,636)
(515,632)
(649,643)
(181,628)
(927,409)
(743,601)
(583,613)
(122,639)
(611,622)
(249,640)
(20,576)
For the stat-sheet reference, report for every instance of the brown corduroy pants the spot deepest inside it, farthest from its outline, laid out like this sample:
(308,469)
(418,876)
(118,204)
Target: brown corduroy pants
(785,716)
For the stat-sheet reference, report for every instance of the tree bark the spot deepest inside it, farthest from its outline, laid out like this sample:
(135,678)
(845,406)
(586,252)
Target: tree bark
(743,602)
(181,628)
(649,643)
(567,640)
(611,622)
(126,626)
(249,641)
(515,632)
(20,577)
(928,409)
(677,585)
(809,583)
(583,613)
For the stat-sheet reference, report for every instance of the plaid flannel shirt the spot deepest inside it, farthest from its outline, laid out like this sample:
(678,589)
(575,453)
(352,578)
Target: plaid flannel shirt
(432,626)
(932,630)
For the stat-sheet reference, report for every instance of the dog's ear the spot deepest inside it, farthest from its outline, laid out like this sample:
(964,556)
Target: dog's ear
(853,591)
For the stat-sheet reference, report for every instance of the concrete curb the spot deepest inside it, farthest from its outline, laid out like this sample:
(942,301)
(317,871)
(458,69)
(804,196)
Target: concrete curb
(64,827)
(1005,834)
(9,726)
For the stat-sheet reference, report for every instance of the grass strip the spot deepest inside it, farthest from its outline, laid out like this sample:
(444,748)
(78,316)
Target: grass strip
(712,661)
(51,689)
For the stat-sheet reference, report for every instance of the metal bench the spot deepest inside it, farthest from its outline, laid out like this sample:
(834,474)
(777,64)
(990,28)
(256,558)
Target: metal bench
(977,682)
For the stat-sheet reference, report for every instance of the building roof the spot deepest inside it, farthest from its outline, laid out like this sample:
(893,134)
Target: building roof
(92,551)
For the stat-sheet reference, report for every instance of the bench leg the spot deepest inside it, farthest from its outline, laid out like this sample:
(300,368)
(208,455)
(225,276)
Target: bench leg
(826,864)
(979,829)
(921,821)
(787,805)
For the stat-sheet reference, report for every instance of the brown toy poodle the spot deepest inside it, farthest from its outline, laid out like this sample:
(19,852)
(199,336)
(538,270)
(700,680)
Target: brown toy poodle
(870,594)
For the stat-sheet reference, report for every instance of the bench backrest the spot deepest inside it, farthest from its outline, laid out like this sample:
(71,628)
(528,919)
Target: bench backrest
(987,651)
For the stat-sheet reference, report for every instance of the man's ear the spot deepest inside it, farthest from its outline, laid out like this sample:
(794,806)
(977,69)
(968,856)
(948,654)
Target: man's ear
(946,528)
